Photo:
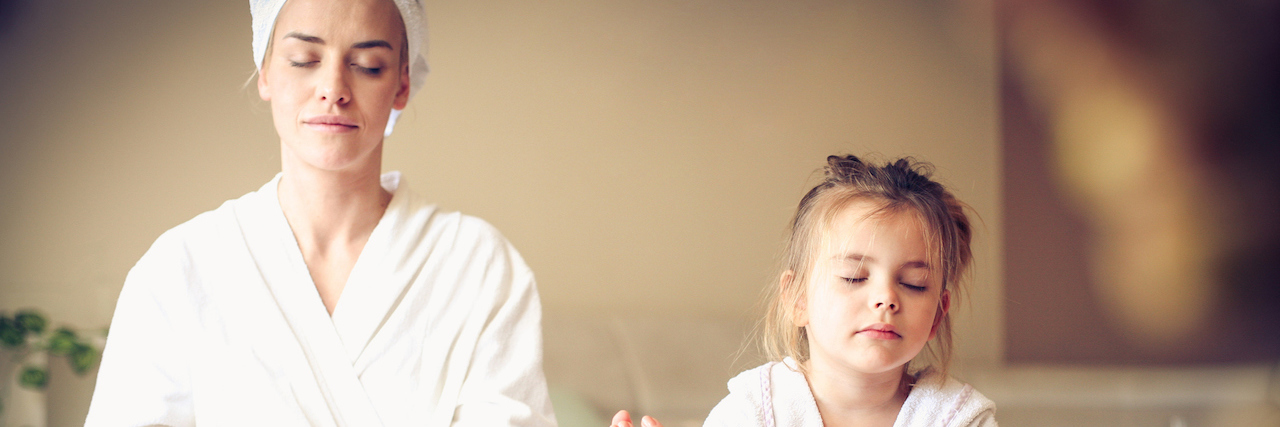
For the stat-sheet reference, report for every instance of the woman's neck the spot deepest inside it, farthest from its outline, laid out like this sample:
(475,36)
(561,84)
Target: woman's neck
(850,398)
(332,214)
(325,207)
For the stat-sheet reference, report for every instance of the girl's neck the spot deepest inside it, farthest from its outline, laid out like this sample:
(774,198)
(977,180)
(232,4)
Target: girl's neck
(846,397)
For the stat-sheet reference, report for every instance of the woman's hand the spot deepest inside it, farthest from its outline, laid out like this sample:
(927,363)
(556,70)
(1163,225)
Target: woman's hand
(623,419)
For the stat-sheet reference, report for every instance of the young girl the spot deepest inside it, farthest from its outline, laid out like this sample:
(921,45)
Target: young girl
(875,256)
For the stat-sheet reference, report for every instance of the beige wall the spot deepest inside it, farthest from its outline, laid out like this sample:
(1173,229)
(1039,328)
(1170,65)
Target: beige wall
(643,156)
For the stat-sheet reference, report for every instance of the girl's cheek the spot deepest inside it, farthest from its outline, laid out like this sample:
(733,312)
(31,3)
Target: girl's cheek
(837,312)
(827,307)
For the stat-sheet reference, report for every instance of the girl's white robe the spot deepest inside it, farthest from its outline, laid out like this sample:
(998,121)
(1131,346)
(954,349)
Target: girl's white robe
(219,323)
(777,395)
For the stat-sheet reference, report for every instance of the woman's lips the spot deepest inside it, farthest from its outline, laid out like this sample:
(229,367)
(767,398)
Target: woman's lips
(879,331)
(330,123)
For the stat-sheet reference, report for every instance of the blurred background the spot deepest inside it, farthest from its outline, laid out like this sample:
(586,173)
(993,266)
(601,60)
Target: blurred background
(645,156)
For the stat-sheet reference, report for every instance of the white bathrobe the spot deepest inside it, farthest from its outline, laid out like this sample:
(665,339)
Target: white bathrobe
(219,324)
(777,395)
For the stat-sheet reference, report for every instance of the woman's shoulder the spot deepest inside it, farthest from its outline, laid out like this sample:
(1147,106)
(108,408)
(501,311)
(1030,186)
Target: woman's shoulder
(410,210)
(468,227)
(205,228)
(464,236)
(208,241)
(940,400)
(449,237)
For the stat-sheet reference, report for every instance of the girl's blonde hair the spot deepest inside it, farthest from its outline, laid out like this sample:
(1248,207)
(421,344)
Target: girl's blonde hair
(902,186)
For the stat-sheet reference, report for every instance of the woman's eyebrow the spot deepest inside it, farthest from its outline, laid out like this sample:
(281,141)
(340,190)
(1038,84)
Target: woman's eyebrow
(361,45)
(304,37)
(372,44)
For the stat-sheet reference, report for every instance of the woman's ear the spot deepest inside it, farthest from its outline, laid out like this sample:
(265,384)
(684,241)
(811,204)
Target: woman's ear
(402,95)
(796,309)
(263,89)
(944,305)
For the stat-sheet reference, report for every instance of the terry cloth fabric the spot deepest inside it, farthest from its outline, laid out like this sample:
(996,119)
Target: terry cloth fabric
(220,324)
(415,26)
(777,394)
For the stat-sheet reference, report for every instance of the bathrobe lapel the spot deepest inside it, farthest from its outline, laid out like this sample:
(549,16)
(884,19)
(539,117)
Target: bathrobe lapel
(300,314)
(389,263)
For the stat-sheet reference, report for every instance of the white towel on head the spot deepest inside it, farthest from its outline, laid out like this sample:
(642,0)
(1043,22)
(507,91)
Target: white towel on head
(415,28)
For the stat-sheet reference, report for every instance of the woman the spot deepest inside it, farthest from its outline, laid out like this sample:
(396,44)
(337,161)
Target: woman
(331,296)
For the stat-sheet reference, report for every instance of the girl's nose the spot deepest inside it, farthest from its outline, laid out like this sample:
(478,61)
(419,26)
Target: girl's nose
(884,298)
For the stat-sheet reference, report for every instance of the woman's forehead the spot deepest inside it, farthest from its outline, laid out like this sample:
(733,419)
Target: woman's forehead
(364,19)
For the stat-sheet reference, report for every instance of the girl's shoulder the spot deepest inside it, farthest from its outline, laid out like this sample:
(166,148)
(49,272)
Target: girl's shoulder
(940,400)
(774,394)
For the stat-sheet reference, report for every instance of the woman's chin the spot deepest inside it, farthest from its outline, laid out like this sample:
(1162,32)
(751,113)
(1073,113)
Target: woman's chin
(335,158)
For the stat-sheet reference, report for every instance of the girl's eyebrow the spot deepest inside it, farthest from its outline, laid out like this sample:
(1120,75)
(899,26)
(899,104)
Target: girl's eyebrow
(863,258)
(859,258)
(361,45)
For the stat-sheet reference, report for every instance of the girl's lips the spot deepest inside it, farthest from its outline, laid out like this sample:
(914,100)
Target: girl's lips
(880,331)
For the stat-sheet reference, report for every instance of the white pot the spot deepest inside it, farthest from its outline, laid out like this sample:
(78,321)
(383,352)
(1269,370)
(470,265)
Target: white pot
(22,407)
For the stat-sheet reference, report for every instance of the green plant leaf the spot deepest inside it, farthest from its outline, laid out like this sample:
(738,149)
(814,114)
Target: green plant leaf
(63,342)
(11,334)
(82,358)
(31,320)
(12,323)
(34,377)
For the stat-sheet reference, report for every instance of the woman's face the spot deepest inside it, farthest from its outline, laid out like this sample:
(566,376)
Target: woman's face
(332,75)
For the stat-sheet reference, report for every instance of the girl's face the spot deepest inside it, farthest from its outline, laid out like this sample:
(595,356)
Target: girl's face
(873,302)
(332,75)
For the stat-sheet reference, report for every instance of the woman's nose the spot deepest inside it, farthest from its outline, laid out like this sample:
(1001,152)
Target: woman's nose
(333,87)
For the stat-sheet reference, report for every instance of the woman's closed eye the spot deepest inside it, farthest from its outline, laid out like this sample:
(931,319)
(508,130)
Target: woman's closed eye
(372,71)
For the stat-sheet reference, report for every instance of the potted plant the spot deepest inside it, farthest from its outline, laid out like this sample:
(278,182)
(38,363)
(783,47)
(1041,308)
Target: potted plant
(27,344)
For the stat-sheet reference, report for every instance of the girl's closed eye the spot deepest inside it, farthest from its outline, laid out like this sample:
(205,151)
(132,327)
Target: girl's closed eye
(302,64)
(854,279)
(914,287)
